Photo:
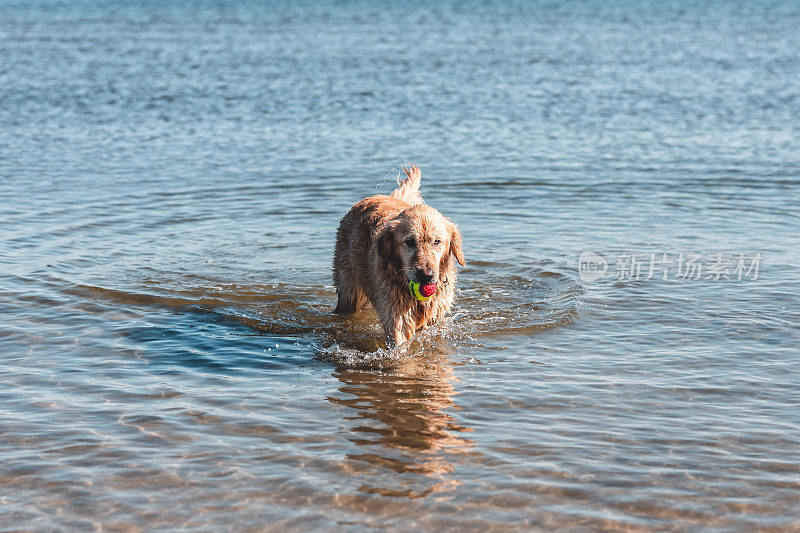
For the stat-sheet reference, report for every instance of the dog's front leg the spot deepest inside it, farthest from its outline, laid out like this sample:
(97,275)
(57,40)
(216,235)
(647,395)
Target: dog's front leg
(398,329)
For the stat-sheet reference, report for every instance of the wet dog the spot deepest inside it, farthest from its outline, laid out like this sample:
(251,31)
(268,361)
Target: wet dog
(386,247)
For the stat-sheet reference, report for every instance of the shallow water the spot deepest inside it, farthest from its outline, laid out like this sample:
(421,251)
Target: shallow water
(171,178)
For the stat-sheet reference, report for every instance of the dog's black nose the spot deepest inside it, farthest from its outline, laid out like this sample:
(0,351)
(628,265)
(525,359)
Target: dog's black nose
(424,275)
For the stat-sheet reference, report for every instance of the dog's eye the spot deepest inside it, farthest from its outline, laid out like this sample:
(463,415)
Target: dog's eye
(410,242)
(437,242)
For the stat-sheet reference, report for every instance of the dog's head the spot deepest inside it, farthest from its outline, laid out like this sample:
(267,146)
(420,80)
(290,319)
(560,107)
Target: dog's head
(420,244)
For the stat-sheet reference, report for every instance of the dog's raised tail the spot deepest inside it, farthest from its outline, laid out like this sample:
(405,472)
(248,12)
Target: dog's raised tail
(408,189)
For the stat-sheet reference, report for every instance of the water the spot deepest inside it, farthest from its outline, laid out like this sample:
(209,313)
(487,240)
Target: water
(171,178)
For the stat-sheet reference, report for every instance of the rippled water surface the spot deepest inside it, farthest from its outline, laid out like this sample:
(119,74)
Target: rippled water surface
(171,178)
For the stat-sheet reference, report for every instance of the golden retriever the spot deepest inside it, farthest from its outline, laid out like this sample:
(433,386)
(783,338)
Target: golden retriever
(386,243)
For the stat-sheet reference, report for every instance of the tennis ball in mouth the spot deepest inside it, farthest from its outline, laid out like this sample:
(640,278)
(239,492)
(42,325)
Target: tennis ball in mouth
(423,292)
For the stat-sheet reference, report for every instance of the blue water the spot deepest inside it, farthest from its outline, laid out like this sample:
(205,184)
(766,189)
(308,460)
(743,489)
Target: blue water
(171,178)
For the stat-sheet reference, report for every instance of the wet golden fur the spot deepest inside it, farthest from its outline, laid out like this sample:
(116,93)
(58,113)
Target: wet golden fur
(384,242)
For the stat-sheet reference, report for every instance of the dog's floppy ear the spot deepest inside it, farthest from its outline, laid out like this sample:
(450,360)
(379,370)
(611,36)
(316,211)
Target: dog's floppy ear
(386,246)
(455,244)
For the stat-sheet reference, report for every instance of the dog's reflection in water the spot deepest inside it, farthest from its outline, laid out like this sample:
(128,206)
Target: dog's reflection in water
(401,416)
